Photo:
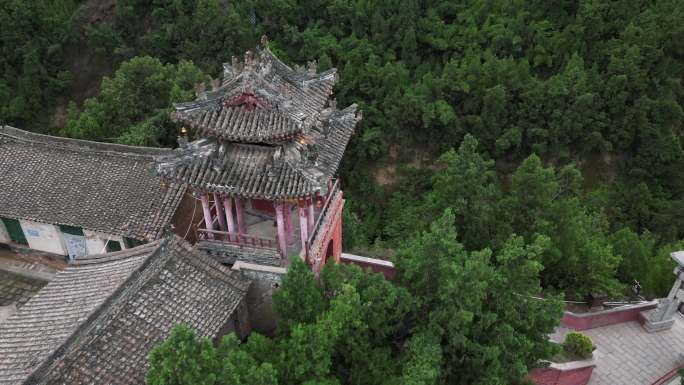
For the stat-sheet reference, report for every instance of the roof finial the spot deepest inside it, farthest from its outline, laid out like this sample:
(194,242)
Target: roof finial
(249,59)
(215,83)
(199,88)
(264,41)
(311,67)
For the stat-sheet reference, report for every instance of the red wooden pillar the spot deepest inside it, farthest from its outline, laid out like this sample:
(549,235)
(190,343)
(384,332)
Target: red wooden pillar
(208,223)
(280,220)
(240,214)
(303,226)
(310,217)
(220,212)
(228,208)
(288,223)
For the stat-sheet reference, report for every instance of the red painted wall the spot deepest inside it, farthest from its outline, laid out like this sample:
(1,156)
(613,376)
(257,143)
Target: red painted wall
(331,231)
(552,376)
(667,377)
(387,271)
(593,320)
(263,205)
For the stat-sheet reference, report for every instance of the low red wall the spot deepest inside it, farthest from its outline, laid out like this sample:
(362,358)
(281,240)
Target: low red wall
(584,321)
(376,265)
(552,376)
(667,377)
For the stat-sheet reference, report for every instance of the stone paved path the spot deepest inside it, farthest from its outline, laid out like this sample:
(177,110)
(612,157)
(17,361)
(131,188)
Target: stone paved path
(628,355)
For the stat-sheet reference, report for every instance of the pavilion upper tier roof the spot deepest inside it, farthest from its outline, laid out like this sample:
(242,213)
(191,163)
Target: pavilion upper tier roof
(261,100)
(268,132)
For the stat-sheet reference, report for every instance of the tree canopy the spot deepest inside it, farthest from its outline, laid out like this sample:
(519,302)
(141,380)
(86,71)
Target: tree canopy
(546,136)
(452,317)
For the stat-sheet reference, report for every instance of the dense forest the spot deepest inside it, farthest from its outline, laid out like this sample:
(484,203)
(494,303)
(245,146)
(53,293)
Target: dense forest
(546,124)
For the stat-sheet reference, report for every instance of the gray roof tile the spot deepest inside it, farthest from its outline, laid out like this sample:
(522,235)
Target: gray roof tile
(101,187)
(298,168)
(97,321)
(268,131)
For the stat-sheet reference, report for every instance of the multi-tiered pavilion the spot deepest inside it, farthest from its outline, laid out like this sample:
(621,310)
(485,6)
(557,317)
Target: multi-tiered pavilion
(269,141)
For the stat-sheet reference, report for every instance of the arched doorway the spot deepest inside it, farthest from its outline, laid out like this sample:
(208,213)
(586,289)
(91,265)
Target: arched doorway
(328,252)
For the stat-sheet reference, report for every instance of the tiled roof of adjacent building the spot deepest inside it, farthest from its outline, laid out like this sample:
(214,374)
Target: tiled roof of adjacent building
(97,320)
(269,131)
(101,187)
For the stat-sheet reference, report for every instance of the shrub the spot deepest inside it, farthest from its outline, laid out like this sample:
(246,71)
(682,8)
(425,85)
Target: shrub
(578,344)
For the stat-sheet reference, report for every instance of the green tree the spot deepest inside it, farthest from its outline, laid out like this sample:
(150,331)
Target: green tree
(183,359)
(134,106)
(299,299)
(469,185)
(479,305)
(239,365)
(33,73)
(580,258)
(635,251)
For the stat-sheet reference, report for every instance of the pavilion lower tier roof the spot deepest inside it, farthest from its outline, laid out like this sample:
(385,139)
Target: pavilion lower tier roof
(243,171)
(282,172)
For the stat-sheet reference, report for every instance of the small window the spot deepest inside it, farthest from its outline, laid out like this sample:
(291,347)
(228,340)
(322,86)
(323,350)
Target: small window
(113,246)
(15,231)
(73,230)
(130,242)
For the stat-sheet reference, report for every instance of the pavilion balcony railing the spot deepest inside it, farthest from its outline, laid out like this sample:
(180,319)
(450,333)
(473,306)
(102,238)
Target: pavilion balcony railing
(321,216)
(237,239)
(248,240)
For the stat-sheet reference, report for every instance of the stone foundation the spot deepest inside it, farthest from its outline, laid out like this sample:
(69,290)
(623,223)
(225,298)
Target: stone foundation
(265,280)
(654,326)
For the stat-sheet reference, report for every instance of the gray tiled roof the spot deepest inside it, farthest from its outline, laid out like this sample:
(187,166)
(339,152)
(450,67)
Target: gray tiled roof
(268,131)
(102,187)
(239,125)
(99,318)
(295,169)
(286,100)
(227,253)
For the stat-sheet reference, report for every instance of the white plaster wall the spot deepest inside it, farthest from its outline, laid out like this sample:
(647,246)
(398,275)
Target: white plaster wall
(95,241)
(43,237)
(4,235)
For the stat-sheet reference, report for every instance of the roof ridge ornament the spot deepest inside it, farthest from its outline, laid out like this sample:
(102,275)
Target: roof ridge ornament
(199,89)
(311,67)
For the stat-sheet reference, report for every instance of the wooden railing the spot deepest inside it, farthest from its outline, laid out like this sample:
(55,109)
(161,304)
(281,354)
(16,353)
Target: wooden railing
(261,242)
(236,238)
